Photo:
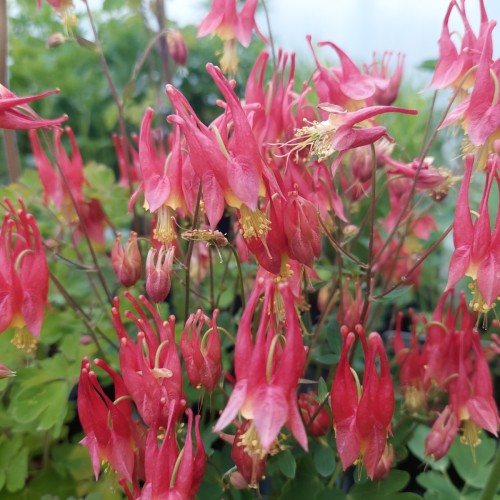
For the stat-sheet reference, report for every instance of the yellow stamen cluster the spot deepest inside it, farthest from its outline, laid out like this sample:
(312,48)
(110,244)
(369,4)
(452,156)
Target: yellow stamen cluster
(229,60)
(23,340)
(254,224)
(318,136)
(415,399)
(477,303)
(164,231)
(470,436)
(441,192)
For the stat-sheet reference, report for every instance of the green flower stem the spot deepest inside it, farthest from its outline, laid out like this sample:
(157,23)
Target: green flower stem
(493,481)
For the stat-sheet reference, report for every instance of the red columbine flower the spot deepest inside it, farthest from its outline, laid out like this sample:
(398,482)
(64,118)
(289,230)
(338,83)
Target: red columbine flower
(386,85)
(224,21)
(173,473)
(342,131)
(64,185)
(362,423)
(477,249)
(412,361)
(127,262)
(202,355)
(16,114)
(267,374)
(453,65)
(111,434)
(161,179)
(150,367)
(226,159)
(24,277)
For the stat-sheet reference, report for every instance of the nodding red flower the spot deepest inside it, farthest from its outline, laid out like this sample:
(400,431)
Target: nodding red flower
(158,276)
(476,247)
(202,355)
(24,277)
(342,131)
(128,160)
(412,361)
(111,434)
(230,26)
(173,473)
(386,85)
(267,373)
(362,422)
(226,159)
(63,186)
(161,179)
(127,262)
(17,115)
(151,368)
(453,65)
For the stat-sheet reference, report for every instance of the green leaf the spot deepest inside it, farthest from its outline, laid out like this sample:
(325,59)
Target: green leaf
(322,389)
(324,460)
(287,464)
(306,483)
(383,489)
(13,461)
(417,447)
(44,404)
(438,486)
(328,359)
(474,473)
(17,471)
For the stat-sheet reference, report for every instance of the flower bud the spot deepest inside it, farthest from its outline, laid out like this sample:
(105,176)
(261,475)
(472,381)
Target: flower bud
(158,275)
(309,407)
(302,230)
(55,40)
(385,463)
(177,47)
(127,263)
(6,372)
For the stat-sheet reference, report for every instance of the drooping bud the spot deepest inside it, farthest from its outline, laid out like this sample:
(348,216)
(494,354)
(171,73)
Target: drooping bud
(443,432)
(302,230)
(177,47)
(55,39)
(127,262)
(6,372)
(158,275)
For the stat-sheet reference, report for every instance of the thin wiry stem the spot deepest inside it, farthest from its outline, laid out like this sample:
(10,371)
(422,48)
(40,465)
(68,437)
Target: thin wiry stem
(189,253)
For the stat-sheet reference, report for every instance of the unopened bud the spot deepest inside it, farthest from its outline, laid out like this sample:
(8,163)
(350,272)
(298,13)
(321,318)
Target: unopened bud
(127,262)
(177,47)
(55,40)
(158,275)
(6,372)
